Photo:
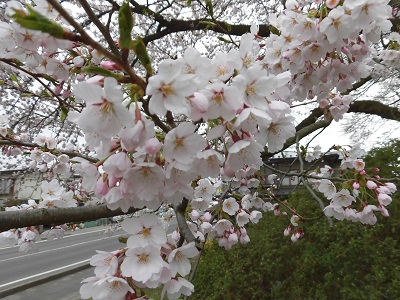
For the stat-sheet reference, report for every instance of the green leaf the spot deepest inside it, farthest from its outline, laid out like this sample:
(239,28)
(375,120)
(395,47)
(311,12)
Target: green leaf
(208,23)
(14,78)
(209,7)
(125,23)
(274,30)
(141,52)
(189,2)
(64,113)
(36,21)
(100,71)
(223,39)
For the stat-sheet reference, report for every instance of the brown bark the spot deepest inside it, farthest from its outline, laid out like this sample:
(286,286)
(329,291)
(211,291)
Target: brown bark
(56,216)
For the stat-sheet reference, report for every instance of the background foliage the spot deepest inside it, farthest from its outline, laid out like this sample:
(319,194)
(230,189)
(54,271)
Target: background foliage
(348,261)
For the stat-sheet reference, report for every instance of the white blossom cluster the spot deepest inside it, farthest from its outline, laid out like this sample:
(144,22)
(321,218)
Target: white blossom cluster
(201,124)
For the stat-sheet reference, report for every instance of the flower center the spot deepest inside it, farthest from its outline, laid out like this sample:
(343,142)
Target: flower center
(218,97)
(167,89)
(146,232)
(274,129)
(27,37)
(106,106)
(221,71)
(336,23)
(179,256)
(179,143)
(143,258)
(251,90)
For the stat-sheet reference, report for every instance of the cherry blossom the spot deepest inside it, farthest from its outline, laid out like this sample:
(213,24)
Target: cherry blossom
(141,263)
(110,287)
(179,261)
(328,188)
(170,92)
(182,144)
(176,287)
(194,133)
(144,231)
(230,206)
(104,113)
(106,264)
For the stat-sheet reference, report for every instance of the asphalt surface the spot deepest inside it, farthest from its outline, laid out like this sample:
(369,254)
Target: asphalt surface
(64,261)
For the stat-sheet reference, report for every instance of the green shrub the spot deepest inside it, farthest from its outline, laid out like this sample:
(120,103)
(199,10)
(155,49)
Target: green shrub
(348,261)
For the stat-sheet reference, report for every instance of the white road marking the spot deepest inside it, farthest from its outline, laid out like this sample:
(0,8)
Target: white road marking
(43,273)
(55,249)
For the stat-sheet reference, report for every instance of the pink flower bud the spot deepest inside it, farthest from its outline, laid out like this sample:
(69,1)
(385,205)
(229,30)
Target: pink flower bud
(233,238)
(384,211)
(356,185)
(323,103)
(371,185)
(152,146)
(80,77)
(66,93)
(287,231)
(194,215)
(207,217)
(363,172)
(243,231)
(102,186)
(58,89)
(78,61)
(110,65)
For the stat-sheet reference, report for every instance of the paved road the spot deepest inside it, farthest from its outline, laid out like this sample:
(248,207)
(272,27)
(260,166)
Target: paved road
(57,255)
(63,288)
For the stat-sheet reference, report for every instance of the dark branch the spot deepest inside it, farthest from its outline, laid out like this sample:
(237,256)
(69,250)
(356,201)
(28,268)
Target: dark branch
(56,216)
(175,25)
(375,108)
(184,230)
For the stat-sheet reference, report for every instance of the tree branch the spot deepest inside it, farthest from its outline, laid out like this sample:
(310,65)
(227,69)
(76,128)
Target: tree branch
(174,25)
(32,145)
(183,226)
(309,189)
(375,108)
(85,38)
(106,33)
(56,216)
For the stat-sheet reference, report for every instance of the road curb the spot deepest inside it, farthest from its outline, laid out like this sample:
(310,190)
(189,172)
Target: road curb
(28,283)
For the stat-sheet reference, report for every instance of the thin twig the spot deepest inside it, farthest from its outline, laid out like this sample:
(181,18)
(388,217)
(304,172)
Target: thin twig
(320,202)
(92,16)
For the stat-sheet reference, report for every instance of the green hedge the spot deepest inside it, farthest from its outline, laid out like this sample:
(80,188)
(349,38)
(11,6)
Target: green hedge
(348,261)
